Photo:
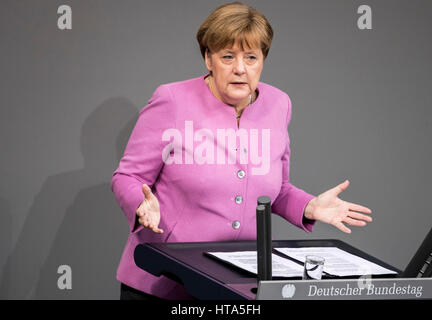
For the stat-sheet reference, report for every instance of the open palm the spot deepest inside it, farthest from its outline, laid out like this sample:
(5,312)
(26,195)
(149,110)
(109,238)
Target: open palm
(328,208)
(149,211)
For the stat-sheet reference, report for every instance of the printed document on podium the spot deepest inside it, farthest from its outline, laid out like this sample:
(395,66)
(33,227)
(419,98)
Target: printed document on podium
(247,260)
(337,262)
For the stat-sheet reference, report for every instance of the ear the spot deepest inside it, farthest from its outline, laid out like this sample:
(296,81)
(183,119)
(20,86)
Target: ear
(208,61)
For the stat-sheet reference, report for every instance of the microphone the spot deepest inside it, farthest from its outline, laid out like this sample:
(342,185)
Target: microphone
(264,241)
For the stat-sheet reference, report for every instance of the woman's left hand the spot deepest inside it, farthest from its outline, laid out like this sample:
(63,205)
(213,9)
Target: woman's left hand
(328,208)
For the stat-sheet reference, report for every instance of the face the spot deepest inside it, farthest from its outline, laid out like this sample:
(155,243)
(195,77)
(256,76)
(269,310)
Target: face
(235,73)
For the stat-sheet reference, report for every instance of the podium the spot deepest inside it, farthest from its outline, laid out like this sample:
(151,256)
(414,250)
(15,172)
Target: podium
(208,279)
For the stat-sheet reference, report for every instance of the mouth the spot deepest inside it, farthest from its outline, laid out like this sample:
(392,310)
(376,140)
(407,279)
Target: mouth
(239,83)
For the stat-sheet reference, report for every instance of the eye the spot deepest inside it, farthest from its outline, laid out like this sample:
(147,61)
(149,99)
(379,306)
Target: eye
(227,57)
(252,57)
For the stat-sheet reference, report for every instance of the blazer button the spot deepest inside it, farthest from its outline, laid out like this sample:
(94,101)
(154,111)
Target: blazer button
(239,199)
(241,174)
(236,224)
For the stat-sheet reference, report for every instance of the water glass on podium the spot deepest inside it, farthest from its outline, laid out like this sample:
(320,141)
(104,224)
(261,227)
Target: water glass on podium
(313,267)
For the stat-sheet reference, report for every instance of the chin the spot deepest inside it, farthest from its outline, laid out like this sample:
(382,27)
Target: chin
(239,95)
(236,99)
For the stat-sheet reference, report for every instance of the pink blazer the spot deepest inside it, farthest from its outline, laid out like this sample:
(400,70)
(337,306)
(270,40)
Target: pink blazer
(206,172)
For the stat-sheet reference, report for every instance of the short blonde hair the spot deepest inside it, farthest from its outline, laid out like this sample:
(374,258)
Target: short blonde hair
(235,23)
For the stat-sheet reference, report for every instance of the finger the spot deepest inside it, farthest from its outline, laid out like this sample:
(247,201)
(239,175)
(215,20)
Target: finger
(144,216)
(147,191)
(339,188)
(359,208)
(342,227)
(353,222)
(359,216)
(143,222)
(157,230)
(153,222)
(154,226)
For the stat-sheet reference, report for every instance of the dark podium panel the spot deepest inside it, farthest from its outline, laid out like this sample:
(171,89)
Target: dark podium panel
(209,279)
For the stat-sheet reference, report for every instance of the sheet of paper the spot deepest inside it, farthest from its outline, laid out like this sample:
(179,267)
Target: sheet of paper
(247,260)
(337,262)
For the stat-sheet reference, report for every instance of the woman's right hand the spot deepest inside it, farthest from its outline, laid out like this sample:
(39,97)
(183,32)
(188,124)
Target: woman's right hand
(149,212)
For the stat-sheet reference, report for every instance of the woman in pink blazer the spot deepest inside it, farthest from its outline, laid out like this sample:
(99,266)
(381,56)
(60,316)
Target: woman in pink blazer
(204,149)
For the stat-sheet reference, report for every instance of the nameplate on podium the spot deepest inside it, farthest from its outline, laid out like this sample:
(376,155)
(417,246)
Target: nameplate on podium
(346,289)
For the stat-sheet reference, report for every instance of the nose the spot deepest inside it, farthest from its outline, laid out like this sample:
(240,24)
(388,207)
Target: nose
(239,67)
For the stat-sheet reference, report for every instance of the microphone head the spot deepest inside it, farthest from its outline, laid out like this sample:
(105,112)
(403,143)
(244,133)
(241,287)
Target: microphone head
(264,200)
(260,208)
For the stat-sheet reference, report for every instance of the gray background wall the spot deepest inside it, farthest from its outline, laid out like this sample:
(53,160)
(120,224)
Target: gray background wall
(69,100)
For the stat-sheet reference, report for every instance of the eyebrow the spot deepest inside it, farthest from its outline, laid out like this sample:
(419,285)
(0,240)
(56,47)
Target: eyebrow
(230,51)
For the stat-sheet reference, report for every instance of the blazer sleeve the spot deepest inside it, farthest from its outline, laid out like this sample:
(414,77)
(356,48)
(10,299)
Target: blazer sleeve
(291,201)
(142,160)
